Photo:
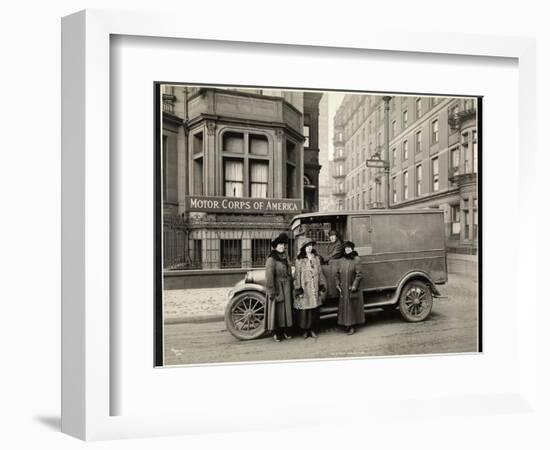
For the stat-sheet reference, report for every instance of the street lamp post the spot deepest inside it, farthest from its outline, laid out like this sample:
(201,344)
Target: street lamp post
(387,146)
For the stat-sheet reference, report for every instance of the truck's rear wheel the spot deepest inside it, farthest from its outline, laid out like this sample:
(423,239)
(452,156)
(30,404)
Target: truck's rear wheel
(245,315)
(415,301)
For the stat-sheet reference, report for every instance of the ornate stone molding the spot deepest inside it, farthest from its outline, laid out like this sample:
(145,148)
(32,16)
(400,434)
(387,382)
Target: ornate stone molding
(211,128)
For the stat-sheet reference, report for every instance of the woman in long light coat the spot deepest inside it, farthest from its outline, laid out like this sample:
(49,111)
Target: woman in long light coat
(278,275)
(309,288)
(351,310)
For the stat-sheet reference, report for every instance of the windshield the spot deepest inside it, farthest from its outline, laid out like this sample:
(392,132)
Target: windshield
(319,231)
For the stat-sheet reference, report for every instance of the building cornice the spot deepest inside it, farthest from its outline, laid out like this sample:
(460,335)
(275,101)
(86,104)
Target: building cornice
(202,90)
(225,120)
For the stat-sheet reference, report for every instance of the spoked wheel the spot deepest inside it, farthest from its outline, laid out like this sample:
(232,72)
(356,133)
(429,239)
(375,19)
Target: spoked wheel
(245,315)
(415,302)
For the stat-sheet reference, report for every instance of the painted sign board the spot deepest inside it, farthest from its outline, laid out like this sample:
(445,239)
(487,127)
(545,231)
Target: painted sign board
(241,205)
(379,163)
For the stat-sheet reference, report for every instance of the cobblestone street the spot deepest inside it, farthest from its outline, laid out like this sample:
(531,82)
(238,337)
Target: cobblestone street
(202,337)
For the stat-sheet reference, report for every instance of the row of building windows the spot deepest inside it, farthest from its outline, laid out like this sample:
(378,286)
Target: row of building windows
(434,181)
(358,157)
(470,153)
(362,113)
(203,253)
(244,154)
(470,166)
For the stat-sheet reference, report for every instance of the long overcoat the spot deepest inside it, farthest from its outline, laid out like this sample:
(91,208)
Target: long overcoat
(278,283)
(309,277)
(350,307)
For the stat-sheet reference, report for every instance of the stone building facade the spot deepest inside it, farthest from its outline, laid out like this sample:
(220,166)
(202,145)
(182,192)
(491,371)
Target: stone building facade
(236,165)
(433,159)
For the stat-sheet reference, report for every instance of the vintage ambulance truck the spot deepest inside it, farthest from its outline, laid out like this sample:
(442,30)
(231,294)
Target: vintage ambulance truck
(402,257)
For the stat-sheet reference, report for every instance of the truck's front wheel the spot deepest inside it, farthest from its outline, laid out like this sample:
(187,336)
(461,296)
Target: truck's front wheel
(415,301)
(245,315)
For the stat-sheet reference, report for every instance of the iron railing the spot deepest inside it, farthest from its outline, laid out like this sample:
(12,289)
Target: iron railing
(211,249)
(185,248)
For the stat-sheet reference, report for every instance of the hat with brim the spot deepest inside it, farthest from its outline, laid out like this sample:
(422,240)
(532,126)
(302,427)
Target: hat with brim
(333,233)
(281,239)
(349,244)
(306,243)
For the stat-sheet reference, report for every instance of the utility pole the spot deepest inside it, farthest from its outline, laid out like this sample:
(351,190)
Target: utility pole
(387,146)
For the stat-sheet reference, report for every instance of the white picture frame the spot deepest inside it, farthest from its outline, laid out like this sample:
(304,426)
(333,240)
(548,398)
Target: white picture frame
(87,325)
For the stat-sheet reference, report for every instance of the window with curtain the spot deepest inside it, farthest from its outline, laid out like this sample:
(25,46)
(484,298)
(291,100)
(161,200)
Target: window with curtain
(418,141)
(455,161)
(233,178)
(419,180)
(435,131)
(435,174)
(405,185)
(455,220)
(306,135)
(258,179)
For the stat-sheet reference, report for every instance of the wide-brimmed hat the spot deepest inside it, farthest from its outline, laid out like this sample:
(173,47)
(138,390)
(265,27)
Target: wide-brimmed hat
(349,244)
(281,239)
(306,243)
(333,232)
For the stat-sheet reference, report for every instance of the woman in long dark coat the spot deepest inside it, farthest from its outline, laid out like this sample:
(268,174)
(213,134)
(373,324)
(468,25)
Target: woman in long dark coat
(350,307)
(278,275)
(335,251)
(309,288)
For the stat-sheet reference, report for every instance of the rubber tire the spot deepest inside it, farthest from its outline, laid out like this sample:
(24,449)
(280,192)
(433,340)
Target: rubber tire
(230,325)
(415,284)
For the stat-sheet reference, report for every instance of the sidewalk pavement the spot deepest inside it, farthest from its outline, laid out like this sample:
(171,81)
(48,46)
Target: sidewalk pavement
(195,305)
(208,304)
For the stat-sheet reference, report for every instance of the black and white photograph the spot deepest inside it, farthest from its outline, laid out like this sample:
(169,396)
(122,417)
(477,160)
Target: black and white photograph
(307,224)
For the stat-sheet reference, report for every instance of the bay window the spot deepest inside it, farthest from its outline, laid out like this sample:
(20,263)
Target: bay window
(234,179)
(258,178)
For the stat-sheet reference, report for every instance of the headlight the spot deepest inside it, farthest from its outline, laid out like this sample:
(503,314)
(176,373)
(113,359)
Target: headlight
(249,278)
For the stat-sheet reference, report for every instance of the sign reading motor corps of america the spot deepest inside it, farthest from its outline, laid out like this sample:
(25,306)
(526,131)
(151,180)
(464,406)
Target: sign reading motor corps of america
(195,203)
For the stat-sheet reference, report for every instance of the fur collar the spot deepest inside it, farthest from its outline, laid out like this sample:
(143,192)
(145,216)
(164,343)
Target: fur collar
(278,256)
(351,255)
(303,254)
